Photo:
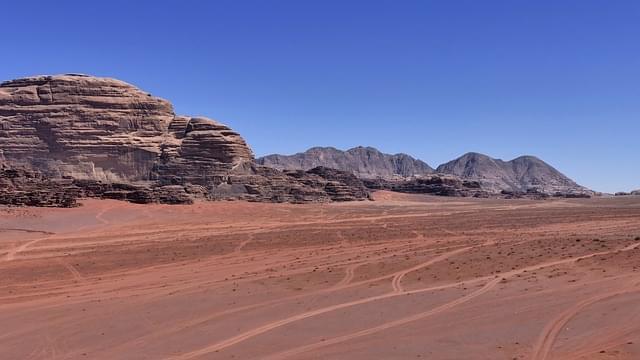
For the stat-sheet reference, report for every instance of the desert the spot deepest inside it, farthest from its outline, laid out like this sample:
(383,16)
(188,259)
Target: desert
(320,180)
(404,276)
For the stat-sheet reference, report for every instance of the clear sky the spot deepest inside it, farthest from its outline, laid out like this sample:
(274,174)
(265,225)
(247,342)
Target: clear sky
(434,79)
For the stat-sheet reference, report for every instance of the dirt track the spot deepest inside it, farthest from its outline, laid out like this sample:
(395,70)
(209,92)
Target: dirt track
(403,277)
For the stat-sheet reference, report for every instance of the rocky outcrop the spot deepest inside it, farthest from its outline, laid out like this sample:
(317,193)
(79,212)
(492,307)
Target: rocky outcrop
(254,182)
(24,187)
(20,186)
(110,139)
(523,175)
(435,184)
(104,129)
(364,162)
(630,193)
(339,185)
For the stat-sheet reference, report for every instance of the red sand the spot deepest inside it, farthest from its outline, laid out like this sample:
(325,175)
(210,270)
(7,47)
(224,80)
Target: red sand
(403,277)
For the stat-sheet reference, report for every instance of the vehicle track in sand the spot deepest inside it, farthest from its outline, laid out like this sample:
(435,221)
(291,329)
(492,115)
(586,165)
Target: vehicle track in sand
(543,346)
(315,281)
(491,284)
(72,269)
(396,282)
(492,280)
(613,339)
(395,323)
(243,243)
(13,253)
(282,322)
(345,283)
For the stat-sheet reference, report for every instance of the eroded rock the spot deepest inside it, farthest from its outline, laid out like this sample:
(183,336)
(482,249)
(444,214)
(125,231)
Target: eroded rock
(109,139)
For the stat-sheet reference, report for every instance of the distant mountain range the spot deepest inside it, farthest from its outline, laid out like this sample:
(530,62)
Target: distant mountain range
(520,174)
(525,173)
(364,162)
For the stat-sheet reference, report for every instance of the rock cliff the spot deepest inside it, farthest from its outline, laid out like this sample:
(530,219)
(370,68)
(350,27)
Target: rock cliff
(433,184)
(101,132)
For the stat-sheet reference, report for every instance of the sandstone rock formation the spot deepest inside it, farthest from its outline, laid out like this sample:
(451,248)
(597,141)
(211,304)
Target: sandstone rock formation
(364,162)
(102,133)
(434,184)
(24,187)
(105,129)
(526,174)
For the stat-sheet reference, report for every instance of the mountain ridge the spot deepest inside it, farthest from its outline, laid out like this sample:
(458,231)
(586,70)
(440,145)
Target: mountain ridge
(520,175)
(362,161)
(524,173)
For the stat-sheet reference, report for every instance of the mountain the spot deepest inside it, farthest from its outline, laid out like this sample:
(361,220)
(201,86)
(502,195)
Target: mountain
(364,162)
(104,137)
(525,173)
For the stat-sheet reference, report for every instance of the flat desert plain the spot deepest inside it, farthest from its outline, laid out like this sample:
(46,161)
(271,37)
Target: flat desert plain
(402,277)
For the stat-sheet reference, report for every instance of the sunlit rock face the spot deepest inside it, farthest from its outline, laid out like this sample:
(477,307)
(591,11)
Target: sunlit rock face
(105,129)
(106,138)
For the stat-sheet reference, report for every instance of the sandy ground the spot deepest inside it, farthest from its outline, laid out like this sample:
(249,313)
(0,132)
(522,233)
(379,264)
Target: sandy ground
(403,277)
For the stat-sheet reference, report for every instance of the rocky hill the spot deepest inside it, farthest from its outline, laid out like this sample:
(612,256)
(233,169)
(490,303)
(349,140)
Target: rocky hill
(433,184)
(524,176)
(99,132)
(364,162)
(521,175)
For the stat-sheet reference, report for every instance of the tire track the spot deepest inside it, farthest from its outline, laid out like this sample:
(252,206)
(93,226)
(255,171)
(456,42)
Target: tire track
(346,284)
(100,215)
(11,255)
(349,275)
(396,282)
(491,284)
(612,340)
(493,280)
(242,244)
(550,333)
(72,269)
(282,322)
(399,322)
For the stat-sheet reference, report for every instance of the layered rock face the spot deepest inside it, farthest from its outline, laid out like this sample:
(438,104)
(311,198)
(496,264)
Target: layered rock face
(523,175)
(434,184)
(105,129)
(101,132)
(24,187)
(364,162)
(84,127)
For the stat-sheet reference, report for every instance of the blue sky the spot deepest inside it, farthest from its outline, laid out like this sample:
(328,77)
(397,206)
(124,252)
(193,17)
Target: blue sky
(435,79)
